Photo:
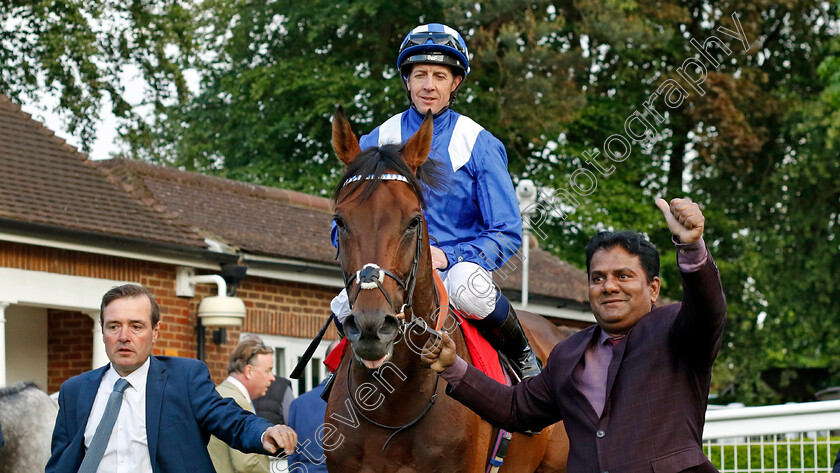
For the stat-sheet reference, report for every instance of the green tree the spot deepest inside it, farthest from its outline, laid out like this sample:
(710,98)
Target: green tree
(725,148)
(273,75)
(279,70)
(553,80)
(82,51)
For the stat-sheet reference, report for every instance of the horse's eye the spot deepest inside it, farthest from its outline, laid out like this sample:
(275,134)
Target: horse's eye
(415,222)
(339,223)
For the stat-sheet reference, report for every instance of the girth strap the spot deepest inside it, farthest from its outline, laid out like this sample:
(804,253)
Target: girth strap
(497,457)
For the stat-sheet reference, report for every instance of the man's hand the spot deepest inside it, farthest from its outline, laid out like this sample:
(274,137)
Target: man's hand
(685,220)
(439,354)
(439,260)
(280,436)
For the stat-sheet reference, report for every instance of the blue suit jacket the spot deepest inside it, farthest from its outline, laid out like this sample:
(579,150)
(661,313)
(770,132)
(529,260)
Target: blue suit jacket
(182,410)
(306,417)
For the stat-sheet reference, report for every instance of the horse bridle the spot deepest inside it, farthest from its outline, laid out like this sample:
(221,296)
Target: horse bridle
(369,277)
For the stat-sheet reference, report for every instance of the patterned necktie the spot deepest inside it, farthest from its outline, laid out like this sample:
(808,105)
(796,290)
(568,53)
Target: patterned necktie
(103,430)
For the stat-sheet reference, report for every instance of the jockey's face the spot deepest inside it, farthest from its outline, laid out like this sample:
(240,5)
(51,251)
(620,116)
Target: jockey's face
(128,332)
(431,86)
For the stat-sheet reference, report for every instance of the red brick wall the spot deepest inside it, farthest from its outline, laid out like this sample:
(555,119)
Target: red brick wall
(69,346)
(274,307)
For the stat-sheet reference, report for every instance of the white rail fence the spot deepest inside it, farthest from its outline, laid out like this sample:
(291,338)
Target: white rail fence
(795,438)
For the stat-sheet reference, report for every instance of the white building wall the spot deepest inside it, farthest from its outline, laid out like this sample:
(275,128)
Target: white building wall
(26,345)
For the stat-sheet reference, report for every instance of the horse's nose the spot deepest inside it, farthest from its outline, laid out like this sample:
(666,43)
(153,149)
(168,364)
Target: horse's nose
(379,326)
(351,330)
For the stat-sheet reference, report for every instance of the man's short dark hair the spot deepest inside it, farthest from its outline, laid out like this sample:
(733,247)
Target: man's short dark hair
(129,290)
(249,347)
(635,244)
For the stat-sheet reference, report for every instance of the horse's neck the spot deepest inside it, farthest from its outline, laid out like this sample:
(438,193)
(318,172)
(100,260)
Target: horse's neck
(426,304)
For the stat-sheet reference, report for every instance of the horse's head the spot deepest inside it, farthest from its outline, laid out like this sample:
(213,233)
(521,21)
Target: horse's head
(381,234)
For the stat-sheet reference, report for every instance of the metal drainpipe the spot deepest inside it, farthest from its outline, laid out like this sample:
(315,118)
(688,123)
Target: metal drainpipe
(526,192)
(526,254)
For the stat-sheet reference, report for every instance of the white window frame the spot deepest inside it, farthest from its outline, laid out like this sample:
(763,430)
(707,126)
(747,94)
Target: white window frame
(293,348)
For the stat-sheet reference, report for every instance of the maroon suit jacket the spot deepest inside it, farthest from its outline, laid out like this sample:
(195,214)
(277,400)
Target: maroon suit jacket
(657,388)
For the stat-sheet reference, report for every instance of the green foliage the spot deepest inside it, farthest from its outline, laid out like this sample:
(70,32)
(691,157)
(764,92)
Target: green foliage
(789,457)
(553,80)
(82,49)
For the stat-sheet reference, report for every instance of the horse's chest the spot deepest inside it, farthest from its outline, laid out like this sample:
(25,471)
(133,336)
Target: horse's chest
(412,455)
(442,442)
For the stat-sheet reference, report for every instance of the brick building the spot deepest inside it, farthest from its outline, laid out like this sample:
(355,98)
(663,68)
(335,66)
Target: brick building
(71,228)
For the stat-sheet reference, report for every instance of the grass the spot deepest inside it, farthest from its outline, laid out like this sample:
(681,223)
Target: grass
(801,455)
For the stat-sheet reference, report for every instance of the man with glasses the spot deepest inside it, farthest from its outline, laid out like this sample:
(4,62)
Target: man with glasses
(250,372)
(474,223)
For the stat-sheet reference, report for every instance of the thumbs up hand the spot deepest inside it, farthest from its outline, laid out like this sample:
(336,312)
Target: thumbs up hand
(685,220)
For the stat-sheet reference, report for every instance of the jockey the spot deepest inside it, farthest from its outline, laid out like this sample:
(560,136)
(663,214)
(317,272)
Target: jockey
(475,225)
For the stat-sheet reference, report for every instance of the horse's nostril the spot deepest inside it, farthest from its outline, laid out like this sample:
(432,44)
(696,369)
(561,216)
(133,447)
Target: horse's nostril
(389,326)
(351,330)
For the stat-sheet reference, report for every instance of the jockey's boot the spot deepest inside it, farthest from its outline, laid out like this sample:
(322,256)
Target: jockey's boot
(510,339)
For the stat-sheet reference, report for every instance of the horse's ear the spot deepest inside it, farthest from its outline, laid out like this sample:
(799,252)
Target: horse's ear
(344,142)
(416,149)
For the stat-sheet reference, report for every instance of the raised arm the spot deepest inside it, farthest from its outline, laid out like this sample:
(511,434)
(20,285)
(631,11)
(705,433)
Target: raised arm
(698,329)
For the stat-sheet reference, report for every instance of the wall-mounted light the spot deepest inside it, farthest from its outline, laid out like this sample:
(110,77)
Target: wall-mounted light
(214,311)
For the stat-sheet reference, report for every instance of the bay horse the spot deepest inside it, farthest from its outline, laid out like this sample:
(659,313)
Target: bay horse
(386,411)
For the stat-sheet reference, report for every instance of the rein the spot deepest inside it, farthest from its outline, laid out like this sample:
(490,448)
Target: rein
(399,428)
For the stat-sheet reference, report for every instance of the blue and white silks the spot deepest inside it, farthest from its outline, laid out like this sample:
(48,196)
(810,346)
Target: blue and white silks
(487,228)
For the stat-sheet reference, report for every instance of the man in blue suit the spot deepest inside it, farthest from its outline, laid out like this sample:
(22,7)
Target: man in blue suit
(168,409)
(306,417)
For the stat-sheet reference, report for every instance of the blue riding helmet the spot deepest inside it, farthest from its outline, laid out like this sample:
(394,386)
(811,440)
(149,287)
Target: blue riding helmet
(434,44)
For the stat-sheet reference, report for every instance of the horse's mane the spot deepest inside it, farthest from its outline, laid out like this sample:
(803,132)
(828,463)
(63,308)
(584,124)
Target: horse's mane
(7,391)
(375,161)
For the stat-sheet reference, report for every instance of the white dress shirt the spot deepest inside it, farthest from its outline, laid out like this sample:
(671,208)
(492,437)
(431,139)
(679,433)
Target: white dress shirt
(244,390)
(128,447)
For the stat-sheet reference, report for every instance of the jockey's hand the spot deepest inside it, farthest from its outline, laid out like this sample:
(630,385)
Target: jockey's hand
(280,436)
(439,354)
(685,220)
(439,260)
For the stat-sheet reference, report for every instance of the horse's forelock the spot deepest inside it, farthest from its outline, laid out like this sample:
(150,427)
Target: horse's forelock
(376,161)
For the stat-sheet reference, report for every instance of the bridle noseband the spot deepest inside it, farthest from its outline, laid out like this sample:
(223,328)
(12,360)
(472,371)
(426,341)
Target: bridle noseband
(371,276)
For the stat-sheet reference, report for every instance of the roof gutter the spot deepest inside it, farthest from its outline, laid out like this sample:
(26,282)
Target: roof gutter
(320,274)
(52,236)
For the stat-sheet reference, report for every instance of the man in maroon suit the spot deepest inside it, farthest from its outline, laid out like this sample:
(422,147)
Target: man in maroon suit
(632,390)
